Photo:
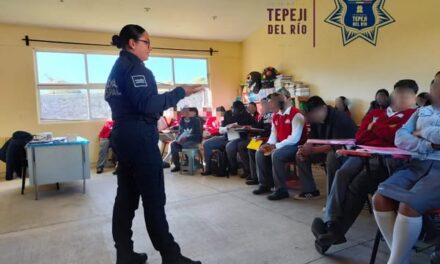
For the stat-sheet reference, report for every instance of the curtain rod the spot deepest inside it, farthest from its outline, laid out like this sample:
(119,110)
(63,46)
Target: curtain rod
(27,40)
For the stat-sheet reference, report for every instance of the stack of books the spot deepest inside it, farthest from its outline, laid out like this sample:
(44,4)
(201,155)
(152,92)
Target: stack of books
(283,81)
(301,89)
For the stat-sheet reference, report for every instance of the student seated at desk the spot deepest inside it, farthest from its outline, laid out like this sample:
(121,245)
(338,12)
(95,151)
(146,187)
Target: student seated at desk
(212,125)
(423,99)
(381,101)
(238,117)
(247,156)
(378,128)
(252,109)
(341,104)
(402,200)
(288,130)
(190,135)
(326,123)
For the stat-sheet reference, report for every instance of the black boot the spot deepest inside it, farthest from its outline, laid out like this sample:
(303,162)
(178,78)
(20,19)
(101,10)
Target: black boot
(175,169)
(181,260)
(318,227)
(134,258)
(334,235)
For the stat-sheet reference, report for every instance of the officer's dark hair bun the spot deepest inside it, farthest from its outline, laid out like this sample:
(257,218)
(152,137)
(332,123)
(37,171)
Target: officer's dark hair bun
(116,41)
(127,32)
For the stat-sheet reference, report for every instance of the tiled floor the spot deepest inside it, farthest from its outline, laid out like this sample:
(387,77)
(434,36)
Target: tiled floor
(216,220)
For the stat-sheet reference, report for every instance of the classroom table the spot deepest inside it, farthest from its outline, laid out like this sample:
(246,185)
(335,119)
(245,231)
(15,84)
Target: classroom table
(58,161)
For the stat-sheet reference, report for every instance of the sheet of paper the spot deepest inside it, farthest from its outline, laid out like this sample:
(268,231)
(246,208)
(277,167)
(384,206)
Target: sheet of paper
(387,150)
(350,141)
(233,134)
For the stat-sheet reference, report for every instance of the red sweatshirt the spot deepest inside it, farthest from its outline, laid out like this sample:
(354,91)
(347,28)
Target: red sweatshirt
(106,129)
(212,125)
(383,131)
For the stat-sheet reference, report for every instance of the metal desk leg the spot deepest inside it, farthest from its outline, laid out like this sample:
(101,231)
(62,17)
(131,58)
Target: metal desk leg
(83,167)
(34,173)
(23,181)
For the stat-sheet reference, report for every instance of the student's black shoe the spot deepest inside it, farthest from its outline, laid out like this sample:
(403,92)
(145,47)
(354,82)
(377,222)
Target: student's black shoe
(278,196)
(135,258)
(166,165)
(99,170)
(321,248)
(318,227)
(252,182)
(175,169)
(206,173)
(261,190)
(333,236)
(308,195)
(115,172)
(182,260)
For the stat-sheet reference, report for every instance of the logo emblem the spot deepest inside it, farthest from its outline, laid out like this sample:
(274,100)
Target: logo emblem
(360,19)
(139,81)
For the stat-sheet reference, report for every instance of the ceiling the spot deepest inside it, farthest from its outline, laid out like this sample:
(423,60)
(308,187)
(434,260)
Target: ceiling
(229,20)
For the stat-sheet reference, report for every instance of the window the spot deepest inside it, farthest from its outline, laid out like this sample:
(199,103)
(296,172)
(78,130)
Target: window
(172,71)
(61,68)
(71,85)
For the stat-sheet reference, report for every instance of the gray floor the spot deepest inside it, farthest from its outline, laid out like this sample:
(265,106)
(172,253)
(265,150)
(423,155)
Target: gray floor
(216,220)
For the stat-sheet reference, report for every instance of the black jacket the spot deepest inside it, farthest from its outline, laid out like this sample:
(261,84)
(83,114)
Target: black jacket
(131,91)
(337,125)
(14,154)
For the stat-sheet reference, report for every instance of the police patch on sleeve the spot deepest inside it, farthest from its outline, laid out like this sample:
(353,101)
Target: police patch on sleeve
(139,81)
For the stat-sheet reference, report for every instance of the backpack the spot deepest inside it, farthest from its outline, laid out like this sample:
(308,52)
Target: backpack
(219,163)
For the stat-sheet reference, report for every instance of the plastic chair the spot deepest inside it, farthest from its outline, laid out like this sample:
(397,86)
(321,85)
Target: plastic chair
(188,160)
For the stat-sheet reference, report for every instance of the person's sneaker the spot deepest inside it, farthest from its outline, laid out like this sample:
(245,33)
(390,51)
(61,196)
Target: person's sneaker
(175,169)
(308,195)
(135,258)
(206,173)
(333,236)
(182,260)
(278,195)
(261,190)
(99,170)
(252,182)
(318,227)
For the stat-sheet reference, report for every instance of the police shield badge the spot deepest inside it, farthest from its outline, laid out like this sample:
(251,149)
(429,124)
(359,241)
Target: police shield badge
(359,19)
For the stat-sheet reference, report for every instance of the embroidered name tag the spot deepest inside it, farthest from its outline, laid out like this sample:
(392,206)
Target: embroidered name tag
(139,81)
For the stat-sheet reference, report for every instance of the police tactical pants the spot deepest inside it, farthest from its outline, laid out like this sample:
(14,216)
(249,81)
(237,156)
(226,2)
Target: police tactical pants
(140,175)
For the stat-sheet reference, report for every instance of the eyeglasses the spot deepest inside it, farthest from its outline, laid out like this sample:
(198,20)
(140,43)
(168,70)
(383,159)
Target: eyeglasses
(147,42)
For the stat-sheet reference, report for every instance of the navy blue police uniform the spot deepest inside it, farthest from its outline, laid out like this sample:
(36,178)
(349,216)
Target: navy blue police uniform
(131,92)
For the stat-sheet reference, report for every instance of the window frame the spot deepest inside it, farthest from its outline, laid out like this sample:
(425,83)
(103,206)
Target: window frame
(91,86)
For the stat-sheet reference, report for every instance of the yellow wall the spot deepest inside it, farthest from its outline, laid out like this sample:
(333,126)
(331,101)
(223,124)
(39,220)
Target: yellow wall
(18,102)
(407,48)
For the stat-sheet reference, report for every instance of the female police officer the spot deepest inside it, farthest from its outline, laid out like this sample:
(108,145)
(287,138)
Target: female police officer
(136,106)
